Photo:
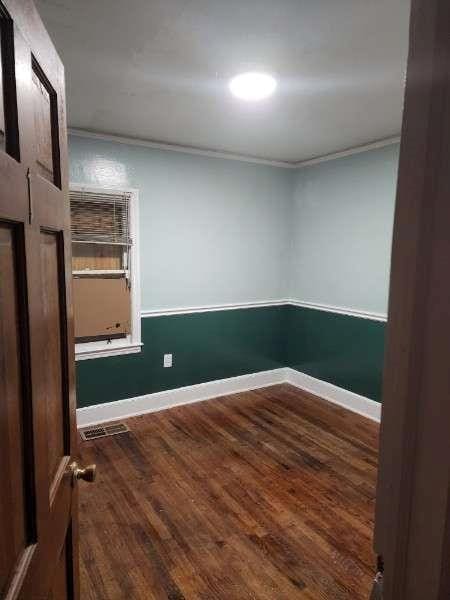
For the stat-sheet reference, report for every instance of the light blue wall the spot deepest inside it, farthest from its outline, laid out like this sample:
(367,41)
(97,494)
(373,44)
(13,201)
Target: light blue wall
(217,231)
(341,231)
(212,231)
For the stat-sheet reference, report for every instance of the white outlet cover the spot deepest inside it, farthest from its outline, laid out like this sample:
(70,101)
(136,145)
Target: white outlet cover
(167,360)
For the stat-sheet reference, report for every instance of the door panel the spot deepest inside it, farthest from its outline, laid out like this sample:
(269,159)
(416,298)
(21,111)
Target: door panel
(38,511)
(45,103)
(43,125)
(55,400)
(9,134)
(16,510)
(2,110)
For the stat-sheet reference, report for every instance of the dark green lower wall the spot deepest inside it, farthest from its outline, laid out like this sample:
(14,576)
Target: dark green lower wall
(346,351)
(205,346)
(343,350)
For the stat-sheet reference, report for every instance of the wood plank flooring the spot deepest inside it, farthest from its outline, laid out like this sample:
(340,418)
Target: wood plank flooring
(263,495)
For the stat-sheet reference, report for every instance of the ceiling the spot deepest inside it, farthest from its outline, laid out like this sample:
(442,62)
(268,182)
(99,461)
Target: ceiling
(158,70)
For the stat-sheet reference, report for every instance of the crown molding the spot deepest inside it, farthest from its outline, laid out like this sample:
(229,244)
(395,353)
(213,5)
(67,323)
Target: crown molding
(349,152)
(130,141)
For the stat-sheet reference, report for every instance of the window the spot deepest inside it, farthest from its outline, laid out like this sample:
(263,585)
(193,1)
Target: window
(105,271)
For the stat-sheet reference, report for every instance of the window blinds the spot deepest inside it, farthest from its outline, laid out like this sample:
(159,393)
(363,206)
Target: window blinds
(100,217)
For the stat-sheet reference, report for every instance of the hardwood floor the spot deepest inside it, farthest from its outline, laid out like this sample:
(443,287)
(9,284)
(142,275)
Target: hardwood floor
(262,495)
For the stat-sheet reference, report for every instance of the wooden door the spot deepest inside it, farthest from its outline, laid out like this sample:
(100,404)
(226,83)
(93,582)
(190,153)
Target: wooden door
(413,502)
(38,501)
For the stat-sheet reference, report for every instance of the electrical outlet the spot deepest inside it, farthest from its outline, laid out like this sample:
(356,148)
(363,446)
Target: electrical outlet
(167,360)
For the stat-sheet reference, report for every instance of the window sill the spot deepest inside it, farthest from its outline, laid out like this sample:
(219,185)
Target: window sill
(107,351)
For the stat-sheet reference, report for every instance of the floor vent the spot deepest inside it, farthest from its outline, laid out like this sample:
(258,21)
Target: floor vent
(98,431)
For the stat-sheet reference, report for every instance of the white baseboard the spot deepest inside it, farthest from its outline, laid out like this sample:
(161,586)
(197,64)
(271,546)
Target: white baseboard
(337,395)
(132,407)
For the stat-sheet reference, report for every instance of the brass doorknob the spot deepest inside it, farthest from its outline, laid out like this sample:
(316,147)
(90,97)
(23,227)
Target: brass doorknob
(87,473)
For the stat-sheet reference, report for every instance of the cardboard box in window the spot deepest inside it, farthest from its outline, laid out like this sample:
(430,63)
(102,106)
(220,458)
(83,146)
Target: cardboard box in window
(102,307)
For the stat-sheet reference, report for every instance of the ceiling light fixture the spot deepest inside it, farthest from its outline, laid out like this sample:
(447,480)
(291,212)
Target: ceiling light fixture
(253,87)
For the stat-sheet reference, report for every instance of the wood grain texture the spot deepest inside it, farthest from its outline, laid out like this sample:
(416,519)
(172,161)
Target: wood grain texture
(261,495)
(2,111)
(35,208)
(43,125)
(53,388)
(9,133)
(413,503)
(13,530)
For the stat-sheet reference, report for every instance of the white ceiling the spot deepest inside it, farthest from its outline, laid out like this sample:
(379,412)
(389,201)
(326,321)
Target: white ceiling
(158,70)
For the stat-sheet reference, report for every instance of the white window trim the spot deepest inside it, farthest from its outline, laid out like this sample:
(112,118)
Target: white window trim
(132,344)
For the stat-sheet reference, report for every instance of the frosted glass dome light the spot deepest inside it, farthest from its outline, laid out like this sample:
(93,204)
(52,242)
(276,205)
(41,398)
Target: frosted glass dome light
(253,87)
